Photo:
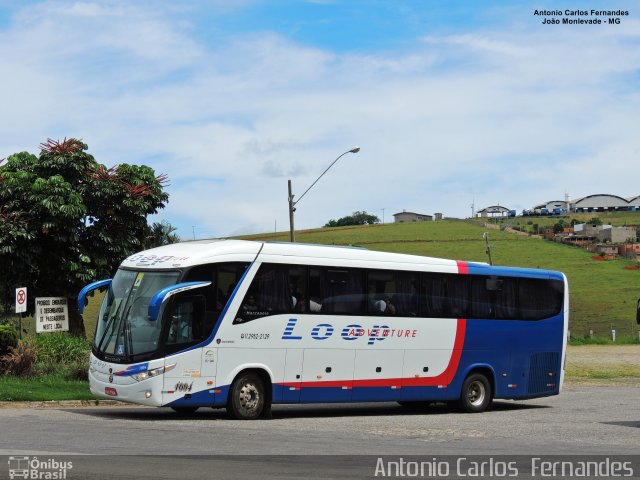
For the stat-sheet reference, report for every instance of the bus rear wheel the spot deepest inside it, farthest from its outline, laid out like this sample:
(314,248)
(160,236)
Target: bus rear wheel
(247,398)
(476,394)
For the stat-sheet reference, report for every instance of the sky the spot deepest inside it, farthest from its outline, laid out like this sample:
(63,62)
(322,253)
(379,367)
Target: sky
(452,103)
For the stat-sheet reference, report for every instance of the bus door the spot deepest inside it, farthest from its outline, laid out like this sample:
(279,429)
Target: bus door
(184,378)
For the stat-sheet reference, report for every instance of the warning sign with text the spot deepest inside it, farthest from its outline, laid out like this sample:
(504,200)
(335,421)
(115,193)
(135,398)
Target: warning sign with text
(52,314)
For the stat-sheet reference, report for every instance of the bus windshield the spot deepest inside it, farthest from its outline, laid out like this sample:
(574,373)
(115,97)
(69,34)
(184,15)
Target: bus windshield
(124,328)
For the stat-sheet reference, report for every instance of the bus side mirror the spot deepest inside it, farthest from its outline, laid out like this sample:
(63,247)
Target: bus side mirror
(638,313)
(163,295)
(82,296)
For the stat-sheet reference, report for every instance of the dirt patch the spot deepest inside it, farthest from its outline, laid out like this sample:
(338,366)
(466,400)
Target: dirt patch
(603,364)
(586,355)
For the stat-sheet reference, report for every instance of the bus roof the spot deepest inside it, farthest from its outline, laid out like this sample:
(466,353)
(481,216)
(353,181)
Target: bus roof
(186,254)
(199,252)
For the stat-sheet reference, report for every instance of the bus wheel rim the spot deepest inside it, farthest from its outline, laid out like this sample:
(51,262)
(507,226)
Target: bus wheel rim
(476,393)
(249,397)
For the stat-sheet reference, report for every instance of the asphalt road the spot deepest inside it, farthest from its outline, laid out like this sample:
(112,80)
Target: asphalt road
(583,420)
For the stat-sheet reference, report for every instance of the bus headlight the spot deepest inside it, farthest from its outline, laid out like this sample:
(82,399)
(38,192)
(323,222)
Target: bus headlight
(153,372)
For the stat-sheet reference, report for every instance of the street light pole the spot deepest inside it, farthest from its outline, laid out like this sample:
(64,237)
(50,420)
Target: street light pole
(292,237)
(292,204)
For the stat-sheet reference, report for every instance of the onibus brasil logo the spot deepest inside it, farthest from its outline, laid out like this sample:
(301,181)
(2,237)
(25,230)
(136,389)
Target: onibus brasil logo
(33,468)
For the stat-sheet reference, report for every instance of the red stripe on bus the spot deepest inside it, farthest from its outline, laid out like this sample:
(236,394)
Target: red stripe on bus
(463,267)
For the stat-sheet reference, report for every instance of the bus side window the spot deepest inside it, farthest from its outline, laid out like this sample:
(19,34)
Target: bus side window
(539,299)
(336,290)
(483,295)
(392,293)
(275,289)
(457,288)
(432,296)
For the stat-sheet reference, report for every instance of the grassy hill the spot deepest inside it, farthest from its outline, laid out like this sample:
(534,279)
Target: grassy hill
(603,295)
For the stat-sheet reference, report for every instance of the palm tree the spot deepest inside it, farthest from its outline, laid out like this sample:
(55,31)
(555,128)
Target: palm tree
(159,234)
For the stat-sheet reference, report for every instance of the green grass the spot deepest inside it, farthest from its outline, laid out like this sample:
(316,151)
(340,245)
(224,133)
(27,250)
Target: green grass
(622,340)
(602,372)
(43,388)
(603,295)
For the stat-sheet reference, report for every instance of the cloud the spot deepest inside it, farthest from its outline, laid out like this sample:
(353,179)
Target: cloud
(511,115)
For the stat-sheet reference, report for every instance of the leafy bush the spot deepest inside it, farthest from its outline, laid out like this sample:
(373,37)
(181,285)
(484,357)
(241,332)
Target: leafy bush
(19,361)
(8,338)
(61,348)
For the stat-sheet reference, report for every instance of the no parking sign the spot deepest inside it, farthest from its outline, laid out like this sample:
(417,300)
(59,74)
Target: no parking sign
(21,300)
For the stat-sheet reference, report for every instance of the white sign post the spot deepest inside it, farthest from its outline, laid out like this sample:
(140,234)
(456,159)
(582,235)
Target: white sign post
(52,314)
(21,300)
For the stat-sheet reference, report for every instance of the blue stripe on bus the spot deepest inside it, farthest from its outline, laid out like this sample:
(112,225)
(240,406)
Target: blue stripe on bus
(483,269)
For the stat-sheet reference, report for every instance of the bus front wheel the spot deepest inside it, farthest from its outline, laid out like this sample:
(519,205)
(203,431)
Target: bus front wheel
(247,397)
(476,394)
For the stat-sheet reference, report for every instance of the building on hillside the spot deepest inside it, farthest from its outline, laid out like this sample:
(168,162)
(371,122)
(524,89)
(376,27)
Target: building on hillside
(589,233)
(601,202)
(493,211)
(439,216)
(617,234)
(406,217)
(588,229)
(607,251)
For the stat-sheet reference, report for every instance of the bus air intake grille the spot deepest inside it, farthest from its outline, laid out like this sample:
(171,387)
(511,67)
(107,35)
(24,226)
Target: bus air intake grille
(543,372)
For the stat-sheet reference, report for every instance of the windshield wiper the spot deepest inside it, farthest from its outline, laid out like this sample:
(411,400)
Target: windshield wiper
(127,332)
(106,330)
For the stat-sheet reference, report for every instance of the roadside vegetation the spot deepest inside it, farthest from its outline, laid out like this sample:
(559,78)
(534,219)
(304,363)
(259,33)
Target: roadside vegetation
(51,366)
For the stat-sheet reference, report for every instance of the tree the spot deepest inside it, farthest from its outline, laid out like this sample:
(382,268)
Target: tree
(559,226)
(66,220)
(356,218)
(160,234)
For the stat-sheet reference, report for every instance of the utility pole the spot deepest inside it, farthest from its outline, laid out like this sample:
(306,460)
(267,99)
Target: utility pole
(292,235)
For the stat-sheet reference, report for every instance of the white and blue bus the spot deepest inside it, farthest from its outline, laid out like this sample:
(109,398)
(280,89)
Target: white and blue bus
(244,325)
